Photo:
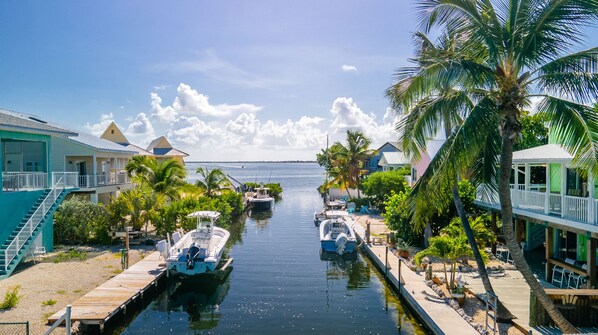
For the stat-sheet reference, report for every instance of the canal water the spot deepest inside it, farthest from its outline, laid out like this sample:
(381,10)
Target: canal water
(280,283)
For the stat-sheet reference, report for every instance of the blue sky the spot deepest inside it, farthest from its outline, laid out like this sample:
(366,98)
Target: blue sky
(223,80)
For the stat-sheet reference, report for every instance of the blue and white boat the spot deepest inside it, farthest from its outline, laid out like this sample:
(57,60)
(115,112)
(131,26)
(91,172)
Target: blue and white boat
(334,206)
(336,234)
(199,251)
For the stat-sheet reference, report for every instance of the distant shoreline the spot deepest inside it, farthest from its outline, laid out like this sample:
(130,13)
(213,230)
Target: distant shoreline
(250,162)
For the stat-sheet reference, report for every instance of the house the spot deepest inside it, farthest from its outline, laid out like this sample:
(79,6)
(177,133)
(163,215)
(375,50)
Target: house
(32,189)
(418,167)
(159,148)
(372,164)
(555,209)
(100,165)
(392,161)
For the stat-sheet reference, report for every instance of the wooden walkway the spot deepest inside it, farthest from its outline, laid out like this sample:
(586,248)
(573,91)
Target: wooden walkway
(100,304)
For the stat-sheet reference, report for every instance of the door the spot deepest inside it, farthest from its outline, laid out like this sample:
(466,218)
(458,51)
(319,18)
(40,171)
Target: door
(82,174)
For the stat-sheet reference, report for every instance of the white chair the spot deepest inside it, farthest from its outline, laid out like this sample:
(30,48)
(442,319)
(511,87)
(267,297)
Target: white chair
(558,276)
(576,279)
(162,247)
(176,237)
(38,252)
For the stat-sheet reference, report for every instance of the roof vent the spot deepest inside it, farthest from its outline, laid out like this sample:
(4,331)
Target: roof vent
(38,120)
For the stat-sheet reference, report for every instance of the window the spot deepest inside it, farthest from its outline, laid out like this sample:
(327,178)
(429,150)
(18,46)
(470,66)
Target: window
(414,174)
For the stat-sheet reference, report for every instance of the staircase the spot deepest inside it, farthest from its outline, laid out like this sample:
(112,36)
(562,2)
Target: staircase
(22,237)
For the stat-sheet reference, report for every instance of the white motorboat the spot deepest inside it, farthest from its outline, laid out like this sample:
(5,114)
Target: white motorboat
(261,200)
(335,206)
(336,234)
(199,251)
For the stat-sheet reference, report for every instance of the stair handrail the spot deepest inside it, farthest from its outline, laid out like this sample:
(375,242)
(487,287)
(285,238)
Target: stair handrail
(34,221)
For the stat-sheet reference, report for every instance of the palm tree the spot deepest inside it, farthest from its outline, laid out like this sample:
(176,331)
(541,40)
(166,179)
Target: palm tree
(511,52)
(441,110)
(162,176)
(213,181)
(354,154)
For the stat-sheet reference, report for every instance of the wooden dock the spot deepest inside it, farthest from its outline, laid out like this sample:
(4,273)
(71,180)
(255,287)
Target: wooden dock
(106,300)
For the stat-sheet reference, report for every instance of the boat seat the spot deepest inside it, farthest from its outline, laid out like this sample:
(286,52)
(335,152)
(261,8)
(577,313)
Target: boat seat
(162,247)
(176,237)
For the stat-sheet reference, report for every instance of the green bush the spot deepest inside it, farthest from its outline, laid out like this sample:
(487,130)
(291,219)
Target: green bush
(380,185)
(11,298)
(79,221)
(396,215)
(275,188)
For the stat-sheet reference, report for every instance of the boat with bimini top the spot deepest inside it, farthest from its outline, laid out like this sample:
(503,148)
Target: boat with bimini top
(261,200)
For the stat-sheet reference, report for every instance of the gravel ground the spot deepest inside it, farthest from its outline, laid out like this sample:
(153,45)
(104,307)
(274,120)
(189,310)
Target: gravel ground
(62,282)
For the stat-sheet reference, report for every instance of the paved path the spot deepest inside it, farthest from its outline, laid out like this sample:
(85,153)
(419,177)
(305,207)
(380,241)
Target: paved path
(438,316)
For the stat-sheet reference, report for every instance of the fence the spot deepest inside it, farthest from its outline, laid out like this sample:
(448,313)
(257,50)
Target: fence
(14,328)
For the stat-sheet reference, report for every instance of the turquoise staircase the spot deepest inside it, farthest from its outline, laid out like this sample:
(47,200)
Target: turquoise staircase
(18,243)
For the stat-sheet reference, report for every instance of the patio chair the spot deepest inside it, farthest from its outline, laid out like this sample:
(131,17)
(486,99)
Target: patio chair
(558,276)
(576,280)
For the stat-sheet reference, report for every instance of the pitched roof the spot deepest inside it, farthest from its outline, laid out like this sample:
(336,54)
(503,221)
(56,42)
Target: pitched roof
(139,150)
(28,123)
(113,134)
(394,158)
(393,144)
(101,144)
(161,147)
(548,153)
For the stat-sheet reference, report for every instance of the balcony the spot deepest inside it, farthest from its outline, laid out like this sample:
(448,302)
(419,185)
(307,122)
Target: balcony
(537,200)
(29,181)
(111,179)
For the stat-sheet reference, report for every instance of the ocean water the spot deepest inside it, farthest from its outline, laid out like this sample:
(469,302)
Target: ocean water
(280,283)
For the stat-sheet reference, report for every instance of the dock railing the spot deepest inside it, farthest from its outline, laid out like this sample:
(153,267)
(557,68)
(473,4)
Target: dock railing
(67,320)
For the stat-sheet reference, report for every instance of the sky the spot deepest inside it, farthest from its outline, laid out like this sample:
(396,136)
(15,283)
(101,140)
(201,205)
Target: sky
(222,80)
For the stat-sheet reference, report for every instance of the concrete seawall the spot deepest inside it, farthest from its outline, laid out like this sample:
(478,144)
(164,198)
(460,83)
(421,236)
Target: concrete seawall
(439,317)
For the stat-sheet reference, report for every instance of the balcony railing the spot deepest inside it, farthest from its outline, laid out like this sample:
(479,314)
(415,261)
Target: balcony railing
(90,181)
(20,181)
(568,207)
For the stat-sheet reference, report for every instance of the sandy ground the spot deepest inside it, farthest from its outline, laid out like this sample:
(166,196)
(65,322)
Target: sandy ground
(63,282)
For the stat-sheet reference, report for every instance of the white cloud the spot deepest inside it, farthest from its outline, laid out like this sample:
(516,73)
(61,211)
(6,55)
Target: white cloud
(97,129)
(348,68)
(140,131)
(191,102)
(347,115)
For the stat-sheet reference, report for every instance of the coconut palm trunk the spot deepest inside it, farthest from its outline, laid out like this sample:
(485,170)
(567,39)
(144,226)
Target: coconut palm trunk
(504,193)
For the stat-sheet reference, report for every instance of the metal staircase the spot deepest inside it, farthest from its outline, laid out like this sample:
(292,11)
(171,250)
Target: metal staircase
(22,237)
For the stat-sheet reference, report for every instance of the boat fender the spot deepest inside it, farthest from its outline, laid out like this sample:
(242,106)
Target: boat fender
(340,242)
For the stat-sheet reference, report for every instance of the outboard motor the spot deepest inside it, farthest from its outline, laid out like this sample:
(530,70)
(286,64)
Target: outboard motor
(340,242)
(193,251)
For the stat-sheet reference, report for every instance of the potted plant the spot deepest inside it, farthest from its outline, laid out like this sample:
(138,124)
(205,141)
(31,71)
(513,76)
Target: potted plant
(403,247)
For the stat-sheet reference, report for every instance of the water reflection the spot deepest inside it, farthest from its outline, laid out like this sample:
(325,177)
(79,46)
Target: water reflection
(260,218)
(200,301)
(350,266)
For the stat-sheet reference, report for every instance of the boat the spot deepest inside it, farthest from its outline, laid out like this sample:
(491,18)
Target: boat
(331,206)
(261,200)
(336,235)
(200,250)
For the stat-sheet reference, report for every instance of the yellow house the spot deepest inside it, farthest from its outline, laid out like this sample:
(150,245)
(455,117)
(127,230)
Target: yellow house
(159,148)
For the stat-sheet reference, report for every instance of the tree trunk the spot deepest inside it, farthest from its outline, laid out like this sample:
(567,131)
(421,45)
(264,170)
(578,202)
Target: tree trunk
(506,206)
(502,312)
(446,278)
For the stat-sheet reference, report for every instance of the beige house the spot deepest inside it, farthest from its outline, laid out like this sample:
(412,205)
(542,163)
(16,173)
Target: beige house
(159,148)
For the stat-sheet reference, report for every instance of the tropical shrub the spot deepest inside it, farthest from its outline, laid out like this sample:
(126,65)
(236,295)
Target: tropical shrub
(11,298)
(396,215)
(275,188)
(79,221)
(379,185)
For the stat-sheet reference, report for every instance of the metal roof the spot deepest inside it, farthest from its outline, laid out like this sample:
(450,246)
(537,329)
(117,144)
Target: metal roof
(28,123)
(394,158)
(548,153)
(101,144)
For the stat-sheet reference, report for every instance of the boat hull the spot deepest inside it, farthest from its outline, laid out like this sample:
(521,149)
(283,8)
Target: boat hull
(330,246)
(261,205)
(177,262)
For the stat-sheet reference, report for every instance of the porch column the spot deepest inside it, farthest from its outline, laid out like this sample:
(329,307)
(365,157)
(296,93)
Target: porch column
(563,188)
(94,177)
(527,176)
(516,167)
(591,254)
(549,251)
(547,200)
(494,230)
(591,211)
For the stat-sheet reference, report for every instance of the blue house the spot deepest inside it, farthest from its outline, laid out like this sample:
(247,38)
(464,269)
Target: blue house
(372,164)
(31,191)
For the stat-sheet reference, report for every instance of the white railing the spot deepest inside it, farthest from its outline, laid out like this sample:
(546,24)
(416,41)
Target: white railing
(36,218)
(16,181)
(69,179)
(575,208)
(530,200)
(555,204)
(89,181)
(66,317)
